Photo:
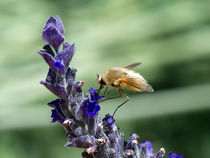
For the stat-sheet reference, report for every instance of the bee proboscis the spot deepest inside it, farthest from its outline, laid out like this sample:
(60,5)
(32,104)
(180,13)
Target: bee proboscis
(124,78)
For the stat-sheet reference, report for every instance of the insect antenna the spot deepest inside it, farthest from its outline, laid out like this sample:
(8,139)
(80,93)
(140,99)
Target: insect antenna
(127,99)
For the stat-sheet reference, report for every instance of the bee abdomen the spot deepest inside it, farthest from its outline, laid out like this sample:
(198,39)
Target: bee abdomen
(137,84)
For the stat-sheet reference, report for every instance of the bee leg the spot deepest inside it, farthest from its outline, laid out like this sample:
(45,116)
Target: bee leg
(111,97)
(105,92)
(101,87)
(127,99)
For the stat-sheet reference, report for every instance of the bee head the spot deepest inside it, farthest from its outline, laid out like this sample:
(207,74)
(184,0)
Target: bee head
(101,79)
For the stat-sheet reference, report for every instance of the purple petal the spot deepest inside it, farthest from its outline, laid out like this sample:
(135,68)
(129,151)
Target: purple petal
(66,55)
(90,113)
(59,25)
(110,119)
(57,89)
(56,116)
(59,66)
(55,65)
(84,141)
(48,49)
(97,108)
(48,58)
(56,22)
(65,45)
(94,95)
(109,123)
(147,145)
(92,90)
(92,108)
(51,76)
(174,155)
(133,137)
(132,143)
(55,103)
(52,36)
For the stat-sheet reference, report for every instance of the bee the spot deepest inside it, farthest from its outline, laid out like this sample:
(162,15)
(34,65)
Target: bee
(123,78)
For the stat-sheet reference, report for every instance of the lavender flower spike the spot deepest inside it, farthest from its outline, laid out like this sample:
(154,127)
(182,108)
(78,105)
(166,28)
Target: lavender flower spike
(79,114)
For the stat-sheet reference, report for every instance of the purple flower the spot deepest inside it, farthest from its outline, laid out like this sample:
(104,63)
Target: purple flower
(175,155)
(92,108)
(53,32)
(57,113)
(147,145)
(109,119)
(94,95)
(109,123)
(59,64)
(92,104)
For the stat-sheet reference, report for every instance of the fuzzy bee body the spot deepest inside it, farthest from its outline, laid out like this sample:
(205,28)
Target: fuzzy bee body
(123,77)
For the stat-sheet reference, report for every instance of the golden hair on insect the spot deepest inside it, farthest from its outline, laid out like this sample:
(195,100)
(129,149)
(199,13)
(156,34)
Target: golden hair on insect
(124,78)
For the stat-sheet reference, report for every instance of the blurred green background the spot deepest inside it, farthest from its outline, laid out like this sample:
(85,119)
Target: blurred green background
(170,38)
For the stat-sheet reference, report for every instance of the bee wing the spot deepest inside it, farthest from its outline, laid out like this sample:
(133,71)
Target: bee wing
(137,84)
(132,65)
